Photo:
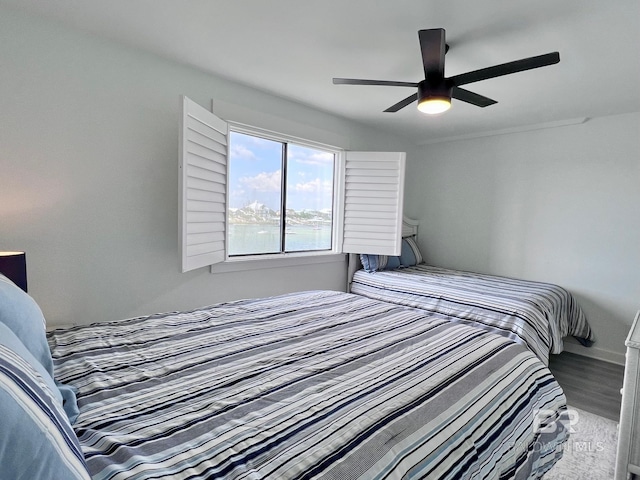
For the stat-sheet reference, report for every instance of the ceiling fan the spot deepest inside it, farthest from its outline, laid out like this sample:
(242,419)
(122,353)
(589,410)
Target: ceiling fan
(436,91)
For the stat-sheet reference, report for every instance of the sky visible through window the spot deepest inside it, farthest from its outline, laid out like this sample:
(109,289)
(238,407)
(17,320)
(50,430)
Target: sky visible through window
(255,174)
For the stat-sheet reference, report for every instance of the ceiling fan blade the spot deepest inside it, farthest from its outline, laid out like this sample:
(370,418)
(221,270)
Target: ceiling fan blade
(385,83)
(433,47)
(472,98)
(506,69)
(402,103)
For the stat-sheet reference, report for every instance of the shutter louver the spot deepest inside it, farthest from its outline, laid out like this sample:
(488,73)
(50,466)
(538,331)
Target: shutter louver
(374,191)
(203,186)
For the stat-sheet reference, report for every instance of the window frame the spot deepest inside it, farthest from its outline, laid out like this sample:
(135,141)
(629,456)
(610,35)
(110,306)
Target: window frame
(368,198)
(286,259)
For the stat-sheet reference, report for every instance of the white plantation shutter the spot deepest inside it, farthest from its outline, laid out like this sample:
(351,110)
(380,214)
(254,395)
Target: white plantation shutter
(374,193)
(203,186)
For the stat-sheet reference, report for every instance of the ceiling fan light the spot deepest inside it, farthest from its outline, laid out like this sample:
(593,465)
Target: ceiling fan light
(434,105)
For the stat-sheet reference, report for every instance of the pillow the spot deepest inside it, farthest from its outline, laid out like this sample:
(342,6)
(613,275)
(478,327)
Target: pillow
(69,401)
(409,256)
(21,314)
(65,395)
(9,340)
(375,263)
(37,440)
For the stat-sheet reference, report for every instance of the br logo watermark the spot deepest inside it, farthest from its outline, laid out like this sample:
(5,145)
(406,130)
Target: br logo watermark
(547,422)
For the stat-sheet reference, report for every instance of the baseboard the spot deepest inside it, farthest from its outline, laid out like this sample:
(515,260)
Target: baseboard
(595,352)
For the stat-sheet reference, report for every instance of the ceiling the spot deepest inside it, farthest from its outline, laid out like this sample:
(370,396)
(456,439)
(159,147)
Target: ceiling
(293,49)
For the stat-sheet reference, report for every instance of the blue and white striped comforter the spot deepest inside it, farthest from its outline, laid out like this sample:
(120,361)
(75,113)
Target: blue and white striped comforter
(308,385)
(535,314)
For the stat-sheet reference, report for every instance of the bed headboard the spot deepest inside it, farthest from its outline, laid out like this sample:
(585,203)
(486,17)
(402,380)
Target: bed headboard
(409,229)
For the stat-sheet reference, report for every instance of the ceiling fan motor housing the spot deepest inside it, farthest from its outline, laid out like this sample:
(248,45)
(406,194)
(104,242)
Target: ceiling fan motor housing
(431,90)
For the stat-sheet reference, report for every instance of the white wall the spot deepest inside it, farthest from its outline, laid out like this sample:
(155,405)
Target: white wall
(89,173)
(89,186)
(559,205)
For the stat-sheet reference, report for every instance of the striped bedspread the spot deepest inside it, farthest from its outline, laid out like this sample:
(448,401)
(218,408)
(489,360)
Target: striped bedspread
(308,385)
(536,314)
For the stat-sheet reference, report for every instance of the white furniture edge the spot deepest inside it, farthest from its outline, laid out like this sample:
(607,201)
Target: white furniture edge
(628,412)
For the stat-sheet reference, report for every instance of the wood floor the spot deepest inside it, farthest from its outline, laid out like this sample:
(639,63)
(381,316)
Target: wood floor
(589,384)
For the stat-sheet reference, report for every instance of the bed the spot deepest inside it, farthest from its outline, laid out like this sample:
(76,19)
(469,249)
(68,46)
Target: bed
(317,384)
(538,315)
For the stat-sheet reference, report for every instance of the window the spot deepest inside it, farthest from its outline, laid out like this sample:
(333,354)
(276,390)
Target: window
(280,196)
(252,196)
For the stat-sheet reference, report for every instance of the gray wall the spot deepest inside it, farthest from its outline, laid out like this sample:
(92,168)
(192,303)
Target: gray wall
(560,205)
(89,162)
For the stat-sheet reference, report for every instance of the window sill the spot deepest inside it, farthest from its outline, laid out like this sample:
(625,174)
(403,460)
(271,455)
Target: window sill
(246,264)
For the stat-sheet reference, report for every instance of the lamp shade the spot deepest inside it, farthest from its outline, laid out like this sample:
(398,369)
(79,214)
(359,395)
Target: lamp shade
(13,265)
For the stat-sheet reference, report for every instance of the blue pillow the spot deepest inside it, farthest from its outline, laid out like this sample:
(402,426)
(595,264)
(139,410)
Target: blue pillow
(69,401)
(20,314)
(37,440)
(9,340)
(23,316)
(409,256)
(375,263)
